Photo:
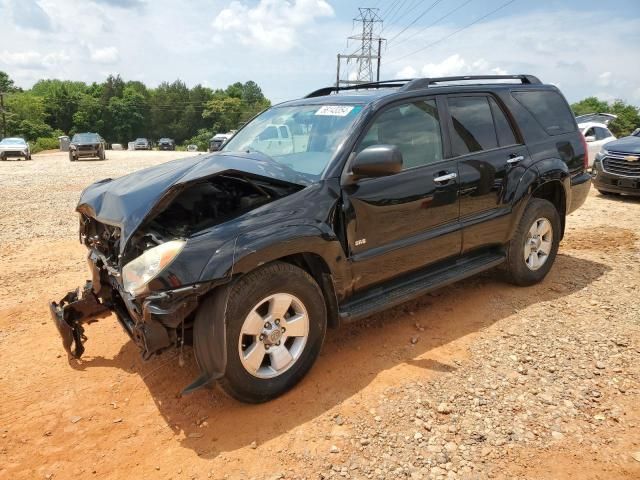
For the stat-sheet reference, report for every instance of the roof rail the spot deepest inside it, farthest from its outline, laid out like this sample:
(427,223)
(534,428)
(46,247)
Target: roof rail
(419,83)
(408,84)
(381,84)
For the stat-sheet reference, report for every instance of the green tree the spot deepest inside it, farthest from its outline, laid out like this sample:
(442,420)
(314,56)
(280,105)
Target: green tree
(6,84)
(26,116)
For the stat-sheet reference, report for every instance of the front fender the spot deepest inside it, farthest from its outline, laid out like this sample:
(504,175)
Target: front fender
(252,249)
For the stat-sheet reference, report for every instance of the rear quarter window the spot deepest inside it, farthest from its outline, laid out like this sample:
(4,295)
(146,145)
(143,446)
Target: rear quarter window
(549,109)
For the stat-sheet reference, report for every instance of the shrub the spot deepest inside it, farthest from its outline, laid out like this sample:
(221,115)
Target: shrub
(45,143)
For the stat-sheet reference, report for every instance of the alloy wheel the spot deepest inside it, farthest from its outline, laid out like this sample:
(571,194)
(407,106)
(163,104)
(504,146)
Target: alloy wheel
(273,335)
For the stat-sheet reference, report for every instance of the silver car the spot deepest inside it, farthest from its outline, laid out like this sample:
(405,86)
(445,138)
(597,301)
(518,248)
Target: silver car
(14,147)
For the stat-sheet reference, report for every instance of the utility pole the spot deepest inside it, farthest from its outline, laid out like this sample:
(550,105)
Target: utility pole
(4,117)
(369,36)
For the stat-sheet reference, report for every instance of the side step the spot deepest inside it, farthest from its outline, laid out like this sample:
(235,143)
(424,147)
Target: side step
(415,285)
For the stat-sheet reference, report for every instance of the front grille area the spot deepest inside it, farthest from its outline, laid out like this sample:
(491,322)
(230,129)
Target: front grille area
(615,163)
(86,147)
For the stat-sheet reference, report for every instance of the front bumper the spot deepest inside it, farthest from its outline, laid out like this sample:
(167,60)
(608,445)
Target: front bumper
(72,312)
(611,182)
(151,321)
(13,153)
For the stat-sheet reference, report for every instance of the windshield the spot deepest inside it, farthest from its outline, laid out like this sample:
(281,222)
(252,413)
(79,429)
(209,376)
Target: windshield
(85,137)
(303,138)
(13,141)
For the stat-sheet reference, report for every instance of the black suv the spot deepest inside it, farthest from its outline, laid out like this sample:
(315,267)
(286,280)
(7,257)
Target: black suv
(371,199)
(616,168)
(84,145)
(166,144)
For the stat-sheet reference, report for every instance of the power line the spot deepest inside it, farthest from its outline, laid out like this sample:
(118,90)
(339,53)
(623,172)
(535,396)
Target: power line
(450,12)
(410,8)
(395,14)
(415,20)
(446,37)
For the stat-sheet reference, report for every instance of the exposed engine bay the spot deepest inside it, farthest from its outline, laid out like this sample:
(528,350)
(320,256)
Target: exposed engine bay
(158,319)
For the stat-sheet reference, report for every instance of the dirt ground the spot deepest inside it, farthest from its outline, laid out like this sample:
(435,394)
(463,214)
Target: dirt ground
(477,380)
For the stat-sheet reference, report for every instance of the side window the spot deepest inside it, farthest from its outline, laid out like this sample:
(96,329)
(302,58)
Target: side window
(473,128)
(549,109)
(283,132)
(506,136)
(590,133)
(601,133)
(413,127)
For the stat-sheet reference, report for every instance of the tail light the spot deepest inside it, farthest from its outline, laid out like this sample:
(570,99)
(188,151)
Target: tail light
(585,160)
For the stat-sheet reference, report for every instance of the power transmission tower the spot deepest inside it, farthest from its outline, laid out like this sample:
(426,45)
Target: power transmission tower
(369,38)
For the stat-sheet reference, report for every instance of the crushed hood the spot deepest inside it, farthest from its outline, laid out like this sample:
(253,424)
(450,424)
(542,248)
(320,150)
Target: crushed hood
(629,145)
(127,201)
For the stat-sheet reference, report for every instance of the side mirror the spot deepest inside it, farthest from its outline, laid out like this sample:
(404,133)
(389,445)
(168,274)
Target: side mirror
(377,161)
(590,139)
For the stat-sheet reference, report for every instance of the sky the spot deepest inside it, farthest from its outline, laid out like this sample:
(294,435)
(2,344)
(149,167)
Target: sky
(289,47)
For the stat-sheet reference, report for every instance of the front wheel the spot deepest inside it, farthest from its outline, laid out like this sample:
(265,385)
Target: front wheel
(533,248)
(276,323)
(72,157)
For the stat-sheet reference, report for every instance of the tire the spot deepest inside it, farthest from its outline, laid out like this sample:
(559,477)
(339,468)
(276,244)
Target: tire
(250,298)
(608,194)
(538,215)
(102,155)
(72,158)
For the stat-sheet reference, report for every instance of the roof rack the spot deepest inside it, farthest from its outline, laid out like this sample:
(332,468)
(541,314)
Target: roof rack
(408,84)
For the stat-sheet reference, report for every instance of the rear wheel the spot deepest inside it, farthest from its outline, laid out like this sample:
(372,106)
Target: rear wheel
(276,323)
(533,248)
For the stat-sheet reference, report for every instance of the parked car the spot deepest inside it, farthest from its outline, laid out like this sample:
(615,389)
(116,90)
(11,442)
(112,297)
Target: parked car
(383,195)
(595,129)
(15,147)
(617,167)
(142,144)
(166,144)
(217,141)
(85,145)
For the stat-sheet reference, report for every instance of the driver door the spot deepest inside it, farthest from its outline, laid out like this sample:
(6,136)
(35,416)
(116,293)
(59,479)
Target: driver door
(403,222)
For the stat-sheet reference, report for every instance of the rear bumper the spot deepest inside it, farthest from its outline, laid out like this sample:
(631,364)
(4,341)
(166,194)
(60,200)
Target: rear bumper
(609,182)
(580,185)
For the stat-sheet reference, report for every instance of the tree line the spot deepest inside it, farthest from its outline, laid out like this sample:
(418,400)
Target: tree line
(122,110)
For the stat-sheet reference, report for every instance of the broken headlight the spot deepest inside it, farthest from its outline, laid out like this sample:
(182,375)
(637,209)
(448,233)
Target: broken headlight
(139,272)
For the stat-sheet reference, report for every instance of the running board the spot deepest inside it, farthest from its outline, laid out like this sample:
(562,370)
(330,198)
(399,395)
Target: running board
(415,285)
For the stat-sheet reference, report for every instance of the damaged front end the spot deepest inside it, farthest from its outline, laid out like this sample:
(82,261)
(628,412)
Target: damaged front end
(147,259)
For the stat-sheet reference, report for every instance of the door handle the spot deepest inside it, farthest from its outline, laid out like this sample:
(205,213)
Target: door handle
(514,160)
(445,178)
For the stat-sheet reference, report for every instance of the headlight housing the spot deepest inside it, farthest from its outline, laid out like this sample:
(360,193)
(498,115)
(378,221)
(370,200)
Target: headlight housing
(139,272)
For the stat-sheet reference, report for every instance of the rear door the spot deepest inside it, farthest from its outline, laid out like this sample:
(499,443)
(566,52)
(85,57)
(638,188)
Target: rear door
(402,222)
(489,156)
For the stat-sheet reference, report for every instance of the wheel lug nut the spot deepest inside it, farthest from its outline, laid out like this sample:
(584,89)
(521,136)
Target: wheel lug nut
(277,322)
(283,329)
(267,325)
(277,344)
(261,337)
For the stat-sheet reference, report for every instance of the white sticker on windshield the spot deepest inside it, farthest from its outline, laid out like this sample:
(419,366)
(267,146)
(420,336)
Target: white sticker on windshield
(335,110)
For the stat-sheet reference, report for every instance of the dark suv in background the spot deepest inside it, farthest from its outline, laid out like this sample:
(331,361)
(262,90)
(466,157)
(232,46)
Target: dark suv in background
(374,199)
(616,169)
(85,145)
(166,144)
